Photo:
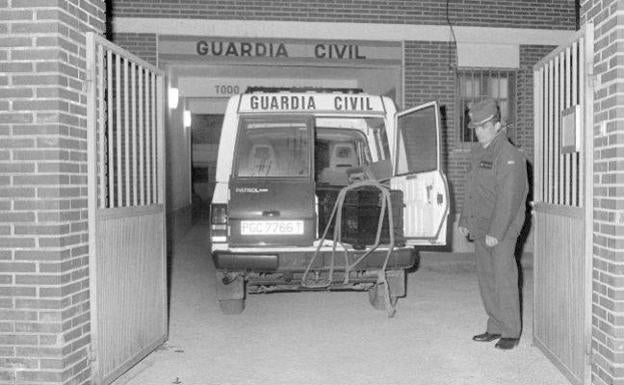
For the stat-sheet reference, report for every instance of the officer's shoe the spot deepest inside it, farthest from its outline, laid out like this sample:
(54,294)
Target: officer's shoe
(506,343)
(486,337)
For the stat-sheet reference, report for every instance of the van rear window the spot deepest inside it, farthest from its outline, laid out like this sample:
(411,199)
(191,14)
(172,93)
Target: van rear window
(274,148)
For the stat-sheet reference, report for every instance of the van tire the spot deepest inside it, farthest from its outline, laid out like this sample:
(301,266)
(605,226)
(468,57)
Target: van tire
(232,306)
(376,297)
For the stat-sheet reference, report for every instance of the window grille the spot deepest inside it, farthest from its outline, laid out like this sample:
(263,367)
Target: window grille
(476,85)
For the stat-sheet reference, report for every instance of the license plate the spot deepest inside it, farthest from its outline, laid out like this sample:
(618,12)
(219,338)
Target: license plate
(271,227)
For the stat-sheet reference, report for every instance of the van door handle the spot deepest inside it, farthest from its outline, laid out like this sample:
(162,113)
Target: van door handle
(271,213)
(429,188)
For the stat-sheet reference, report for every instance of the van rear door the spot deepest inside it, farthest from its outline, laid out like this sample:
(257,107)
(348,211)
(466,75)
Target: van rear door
(272,199)
(417,172)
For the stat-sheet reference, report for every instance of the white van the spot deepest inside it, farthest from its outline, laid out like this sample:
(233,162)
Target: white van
(284,158)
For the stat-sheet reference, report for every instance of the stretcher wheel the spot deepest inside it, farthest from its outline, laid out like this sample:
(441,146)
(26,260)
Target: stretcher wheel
(376,297)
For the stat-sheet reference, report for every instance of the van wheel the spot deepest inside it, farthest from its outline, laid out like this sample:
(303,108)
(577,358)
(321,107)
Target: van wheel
(376,297)
(232,306)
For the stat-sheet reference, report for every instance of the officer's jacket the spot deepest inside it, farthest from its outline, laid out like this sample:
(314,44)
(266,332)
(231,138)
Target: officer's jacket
(495,202)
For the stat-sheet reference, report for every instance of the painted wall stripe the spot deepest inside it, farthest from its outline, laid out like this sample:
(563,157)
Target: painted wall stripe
(339,31)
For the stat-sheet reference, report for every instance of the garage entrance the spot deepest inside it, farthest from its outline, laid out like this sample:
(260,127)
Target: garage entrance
(562,209)
(126,208)
(209,70)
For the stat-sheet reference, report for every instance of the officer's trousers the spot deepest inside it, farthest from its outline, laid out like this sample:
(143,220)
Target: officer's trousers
(498,282)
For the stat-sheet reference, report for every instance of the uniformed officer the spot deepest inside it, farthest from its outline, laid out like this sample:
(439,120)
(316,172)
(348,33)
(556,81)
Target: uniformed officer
(493,215)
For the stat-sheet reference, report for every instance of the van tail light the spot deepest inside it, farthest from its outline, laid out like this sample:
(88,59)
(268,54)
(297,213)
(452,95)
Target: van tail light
(218,223)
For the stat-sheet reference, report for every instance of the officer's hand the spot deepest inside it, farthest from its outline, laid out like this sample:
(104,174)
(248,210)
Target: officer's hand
(463,231)
(491,241)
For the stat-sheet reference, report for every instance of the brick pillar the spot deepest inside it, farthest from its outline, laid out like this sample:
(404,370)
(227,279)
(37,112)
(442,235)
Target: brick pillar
(608,226)
(44,276)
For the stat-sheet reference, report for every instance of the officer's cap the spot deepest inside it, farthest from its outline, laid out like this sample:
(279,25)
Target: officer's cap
(482,111)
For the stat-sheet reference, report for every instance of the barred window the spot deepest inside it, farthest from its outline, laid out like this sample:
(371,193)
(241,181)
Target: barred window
(475,85)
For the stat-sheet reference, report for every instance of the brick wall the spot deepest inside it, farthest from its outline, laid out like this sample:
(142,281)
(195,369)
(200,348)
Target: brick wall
(608,226)
(141,44)
(552,14)
(44,287)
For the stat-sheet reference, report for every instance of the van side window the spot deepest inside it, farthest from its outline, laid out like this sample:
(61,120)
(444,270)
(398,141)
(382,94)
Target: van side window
(273,148)
(336,150)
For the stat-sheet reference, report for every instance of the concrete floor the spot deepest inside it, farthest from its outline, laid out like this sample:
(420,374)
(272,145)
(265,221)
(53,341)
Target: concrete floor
(336,338)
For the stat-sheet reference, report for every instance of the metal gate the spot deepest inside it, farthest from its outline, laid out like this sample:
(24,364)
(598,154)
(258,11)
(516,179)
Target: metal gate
(562,206)
(126,207)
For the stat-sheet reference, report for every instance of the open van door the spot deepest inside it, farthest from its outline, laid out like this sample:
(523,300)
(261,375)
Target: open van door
(417,172)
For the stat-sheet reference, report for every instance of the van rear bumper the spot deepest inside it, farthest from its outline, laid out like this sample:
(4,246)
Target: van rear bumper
(298,261)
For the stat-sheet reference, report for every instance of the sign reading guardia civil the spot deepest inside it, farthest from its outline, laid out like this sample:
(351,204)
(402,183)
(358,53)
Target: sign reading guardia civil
(231,48)
(194,48)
